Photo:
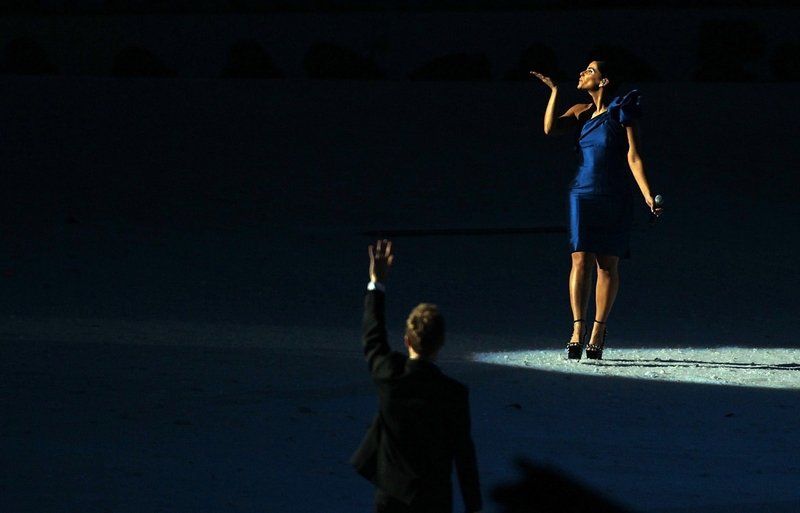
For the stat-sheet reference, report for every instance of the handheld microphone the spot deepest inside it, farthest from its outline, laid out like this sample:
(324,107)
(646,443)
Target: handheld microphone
(658,202)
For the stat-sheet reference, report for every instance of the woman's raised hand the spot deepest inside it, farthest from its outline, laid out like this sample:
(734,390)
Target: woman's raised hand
(547,80)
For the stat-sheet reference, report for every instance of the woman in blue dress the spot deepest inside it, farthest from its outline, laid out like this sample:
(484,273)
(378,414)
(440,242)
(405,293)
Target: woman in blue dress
(600,196)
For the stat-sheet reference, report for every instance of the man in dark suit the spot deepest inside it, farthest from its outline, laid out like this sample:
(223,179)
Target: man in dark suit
(423,425)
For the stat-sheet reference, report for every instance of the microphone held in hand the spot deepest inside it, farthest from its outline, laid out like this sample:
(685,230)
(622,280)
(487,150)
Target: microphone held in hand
(658,202)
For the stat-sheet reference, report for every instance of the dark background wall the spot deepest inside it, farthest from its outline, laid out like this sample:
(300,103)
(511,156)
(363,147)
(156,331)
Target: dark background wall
(674,43)
(67,7)
(134,161)
(109,158)
(408,154)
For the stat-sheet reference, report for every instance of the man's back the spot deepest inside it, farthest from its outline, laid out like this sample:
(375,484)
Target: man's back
(419,411)
(421,428)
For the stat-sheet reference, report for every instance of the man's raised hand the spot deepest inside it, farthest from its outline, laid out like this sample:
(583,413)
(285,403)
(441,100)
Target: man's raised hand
(380,260)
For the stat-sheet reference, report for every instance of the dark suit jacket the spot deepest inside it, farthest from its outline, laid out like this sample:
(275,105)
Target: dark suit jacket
(421,428)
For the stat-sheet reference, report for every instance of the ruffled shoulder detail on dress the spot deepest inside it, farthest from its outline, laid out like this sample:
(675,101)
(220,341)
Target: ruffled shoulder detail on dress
(626,108)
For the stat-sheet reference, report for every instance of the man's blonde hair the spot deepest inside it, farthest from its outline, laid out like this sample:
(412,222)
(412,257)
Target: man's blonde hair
(425,329)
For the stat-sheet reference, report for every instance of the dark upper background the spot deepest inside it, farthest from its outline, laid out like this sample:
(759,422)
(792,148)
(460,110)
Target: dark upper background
(203,162)
(671,41)
(60,7)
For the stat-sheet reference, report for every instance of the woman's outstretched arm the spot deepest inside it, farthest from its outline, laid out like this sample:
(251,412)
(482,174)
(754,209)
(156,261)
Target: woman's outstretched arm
(558,125)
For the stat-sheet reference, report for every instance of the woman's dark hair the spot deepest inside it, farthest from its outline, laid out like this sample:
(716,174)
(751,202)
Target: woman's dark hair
(611,71)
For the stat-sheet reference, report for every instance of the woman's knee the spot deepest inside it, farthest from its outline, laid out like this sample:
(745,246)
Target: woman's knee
(582,259)
(607,264)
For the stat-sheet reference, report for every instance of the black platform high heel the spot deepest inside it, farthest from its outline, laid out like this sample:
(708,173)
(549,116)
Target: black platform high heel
(594,351)
(575,349)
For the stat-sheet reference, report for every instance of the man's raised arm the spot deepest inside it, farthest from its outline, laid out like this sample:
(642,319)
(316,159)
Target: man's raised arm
(374,331)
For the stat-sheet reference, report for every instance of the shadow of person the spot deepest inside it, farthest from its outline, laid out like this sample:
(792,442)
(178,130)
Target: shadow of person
(544,489)
(700,364)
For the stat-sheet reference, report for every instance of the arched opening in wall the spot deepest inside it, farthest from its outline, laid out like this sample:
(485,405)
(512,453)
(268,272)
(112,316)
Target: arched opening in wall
(630,67)
(785,62)
(137,61)
(25,56)
(456,66)
(537,57)
(727,44)
(333,61)
(248,59)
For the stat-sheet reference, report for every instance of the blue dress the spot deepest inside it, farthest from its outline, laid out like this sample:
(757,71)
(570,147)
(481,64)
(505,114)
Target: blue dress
(600,196)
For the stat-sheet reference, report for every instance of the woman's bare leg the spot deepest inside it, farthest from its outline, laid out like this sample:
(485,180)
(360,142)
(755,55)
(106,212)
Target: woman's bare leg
(580,288)
(605,293)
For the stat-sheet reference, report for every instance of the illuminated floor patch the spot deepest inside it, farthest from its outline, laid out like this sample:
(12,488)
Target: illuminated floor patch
(771,368)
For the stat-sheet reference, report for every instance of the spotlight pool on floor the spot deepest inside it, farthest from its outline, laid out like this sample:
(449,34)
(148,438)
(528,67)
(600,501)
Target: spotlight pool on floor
(733,366)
